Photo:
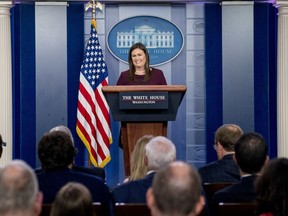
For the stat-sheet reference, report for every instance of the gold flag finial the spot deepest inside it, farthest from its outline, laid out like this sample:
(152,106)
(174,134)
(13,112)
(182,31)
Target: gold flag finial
(93,5)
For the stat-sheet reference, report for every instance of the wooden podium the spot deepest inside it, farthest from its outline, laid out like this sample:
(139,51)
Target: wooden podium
(142,110)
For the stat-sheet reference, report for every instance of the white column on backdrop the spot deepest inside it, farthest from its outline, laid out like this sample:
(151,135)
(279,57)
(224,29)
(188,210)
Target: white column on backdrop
(5,80)
(282,78)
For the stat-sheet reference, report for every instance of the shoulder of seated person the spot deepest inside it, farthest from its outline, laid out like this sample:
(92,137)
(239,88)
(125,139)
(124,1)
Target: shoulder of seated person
(92,170)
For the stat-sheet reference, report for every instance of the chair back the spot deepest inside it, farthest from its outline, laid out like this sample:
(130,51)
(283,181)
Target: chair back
(211,188)
(132,209)
(237,209)
(98,209)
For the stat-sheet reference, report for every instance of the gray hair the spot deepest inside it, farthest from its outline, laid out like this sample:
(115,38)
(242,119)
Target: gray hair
(159,152)
(18,188)
(63,129)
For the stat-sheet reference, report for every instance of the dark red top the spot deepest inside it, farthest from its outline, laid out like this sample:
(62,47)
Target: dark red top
(156,79)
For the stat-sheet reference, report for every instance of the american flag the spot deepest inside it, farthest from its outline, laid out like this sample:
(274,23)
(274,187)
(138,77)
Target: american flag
(93,118)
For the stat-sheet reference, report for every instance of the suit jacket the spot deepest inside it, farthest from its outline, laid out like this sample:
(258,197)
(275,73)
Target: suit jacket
(96,171)
(240,192)
(133,191)
(224,170)
(50,183)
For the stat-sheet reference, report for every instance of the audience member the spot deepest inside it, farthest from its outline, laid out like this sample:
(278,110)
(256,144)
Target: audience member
(56,153)
(65,129)
(73,199)
(100,172)
(224,169)
(250,155)
(19,192)
(159,151)
(1,145)
(272,189)
(138,168)
(176,190)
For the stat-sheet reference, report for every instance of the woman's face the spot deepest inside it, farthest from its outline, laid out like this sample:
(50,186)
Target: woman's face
(138,58)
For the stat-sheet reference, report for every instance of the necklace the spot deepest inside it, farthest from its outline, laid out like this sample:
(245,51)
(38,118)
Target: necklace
(142,72)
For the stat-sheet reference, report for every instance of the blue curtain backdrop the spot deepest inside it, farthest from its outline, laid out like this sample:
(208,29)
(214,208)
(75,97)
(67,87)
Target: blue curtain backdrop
(265,70)
(213,64)
(23,72)
(265,74)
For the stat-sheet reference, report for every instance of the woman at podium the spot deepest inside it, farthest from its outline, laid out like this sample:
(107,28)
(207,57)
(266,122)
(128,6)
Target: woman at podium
(140,72)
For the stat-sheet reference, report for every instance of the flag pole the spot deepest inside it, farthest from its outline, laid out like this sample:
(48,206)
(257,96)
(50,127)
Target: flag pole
(93,5)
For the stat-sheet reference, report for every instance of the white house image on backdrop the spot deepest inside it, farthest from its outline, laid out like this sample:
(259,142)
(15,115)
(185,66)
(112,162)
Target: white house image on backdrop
(149,36)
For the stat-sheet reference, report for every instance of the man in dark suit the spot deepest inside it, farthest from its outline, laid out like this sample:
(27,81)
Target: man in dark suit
(224,169)
(250,156)
(56,153)
(159,152)
(97,171)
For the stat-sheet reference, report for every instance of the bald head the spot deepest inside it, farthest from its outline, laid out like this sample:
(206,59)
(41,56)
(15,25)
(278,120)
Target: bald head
(18,189)
(176,190)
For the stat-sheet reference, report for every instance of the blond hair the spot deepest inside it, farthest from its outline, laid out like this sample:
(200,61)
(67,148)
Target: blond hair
(138,169)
